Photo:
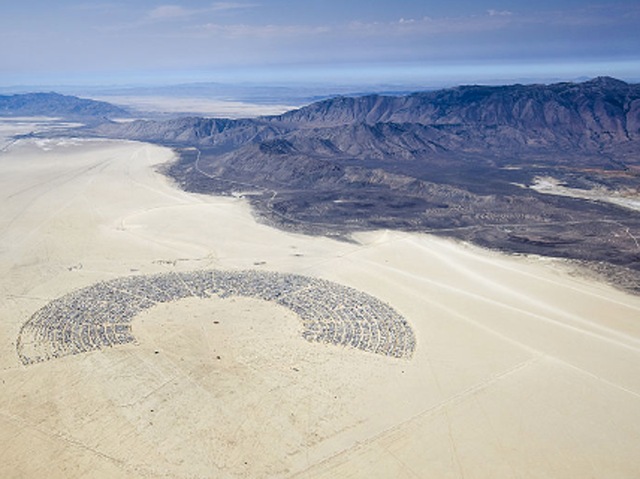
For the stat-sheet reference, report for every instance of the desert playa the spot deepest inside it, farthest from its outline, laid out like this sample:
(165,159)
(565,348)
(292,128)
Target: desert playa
(520,368)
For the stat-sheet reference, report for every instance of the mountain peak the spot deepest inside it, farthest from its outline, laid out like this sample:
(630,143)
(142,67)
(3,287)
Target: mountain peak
(606,82)
(57,105)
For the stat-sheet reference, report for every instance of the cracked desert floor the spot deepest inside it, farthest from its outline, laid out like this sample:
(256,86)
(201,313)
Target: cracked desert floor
(520,370)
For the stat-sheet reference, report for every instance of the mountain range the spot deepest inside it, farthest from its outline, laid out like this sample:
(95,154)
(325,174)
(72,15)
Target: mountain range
(57,105)
(544,169)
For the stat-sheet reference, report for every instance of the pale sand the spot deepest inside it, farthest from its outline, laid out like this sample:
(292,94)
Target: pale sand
(520,369)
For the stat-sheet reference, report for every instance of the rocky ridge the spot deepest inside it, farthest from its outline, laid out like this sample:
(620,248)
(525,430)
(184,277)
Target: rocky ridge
(56,105)
(458,162)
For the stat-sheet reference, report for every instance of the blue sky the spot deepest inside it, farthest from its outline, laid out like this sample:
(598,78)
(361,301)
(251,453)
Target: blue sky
(274,41)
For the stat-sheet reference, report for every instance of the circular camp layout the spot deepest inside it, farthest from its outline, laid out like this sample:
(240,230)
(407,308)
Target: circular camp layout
(100,315)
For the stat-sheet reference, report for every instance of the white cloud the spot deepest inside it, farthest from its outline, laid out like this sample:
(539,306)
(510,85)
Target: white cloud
(499,13)
(219,6)
(169,12)
(433,26)
(262,31)
(97,7)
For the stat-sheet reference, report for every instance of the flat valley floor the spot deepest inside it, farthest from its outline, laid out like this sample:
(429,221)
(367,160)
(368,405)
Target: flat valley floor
(520,369)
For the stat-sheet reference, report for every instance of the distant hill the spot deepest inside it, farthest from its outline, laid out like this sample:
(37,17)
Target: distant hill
(460,161)
(511,104)
(56,105)
(589,116)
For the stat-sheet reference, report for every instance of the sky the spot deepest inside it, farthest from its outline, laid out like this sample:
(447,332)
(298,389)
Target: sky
(341,41)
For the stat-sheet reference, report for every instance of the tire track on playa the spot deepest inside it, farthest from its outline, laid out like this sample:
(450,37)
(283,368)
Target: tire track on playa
(460,291)
(173,376)
(588,327)
(438,408)
(172,193)
(592,328)
(504,266)
(533,302)
(72,442)
(522,311)
(167,372)
(139,177)
(532,350)
(134,166)
(52,185)
(64,177)
(460,398)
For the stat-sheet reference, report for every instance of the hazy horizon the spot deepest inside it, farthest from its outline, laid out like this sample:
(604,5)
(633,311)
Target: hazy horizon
(280,42)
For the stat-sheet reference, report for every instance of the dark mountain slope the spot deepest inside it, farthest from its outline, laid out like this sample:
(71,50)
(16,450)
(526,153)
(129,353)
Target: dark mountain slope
(208,132)
(459,162)
(593,117)
(589,115)
(490,105)
(56,105)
